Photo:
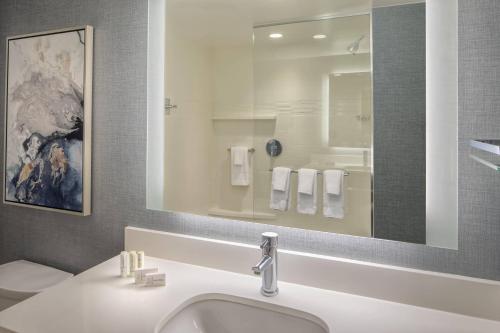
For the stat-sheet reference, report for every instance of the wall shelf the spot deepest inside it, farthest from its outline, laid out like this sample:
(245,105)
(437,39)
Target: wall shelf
(215,211)
(490,146)
(244,117)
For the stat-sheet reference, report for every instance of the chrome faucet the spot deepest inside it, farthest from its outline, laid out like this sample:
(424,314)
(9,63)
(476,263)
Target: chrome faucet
(268,265)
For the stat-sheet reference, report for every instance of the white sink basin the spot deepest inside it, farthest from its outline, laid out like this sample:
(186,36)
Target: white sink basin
(228,314)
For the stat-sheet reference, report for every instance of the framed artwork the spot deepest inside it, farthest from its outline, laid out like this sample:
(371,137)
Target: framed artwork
(48,121)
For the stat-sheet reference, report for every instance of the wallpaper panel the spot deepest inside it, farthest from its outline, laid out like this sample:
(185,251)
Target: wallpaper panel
(399,112)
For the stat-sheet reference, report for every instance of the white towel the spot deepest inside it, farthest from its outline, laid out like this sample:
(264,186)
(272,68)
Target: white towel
(280,189)
(307,177)
(240,166)
(281,178)
(307,191)
(238,155)
(333,181)
(333,193)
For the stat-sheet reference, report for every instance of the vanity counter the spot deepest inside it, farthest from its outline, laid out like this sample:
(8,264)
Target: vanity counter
(98,300)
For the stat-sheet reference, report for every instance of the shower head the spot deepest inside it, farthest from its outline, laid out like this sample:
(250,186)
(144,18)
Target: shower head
(353,48)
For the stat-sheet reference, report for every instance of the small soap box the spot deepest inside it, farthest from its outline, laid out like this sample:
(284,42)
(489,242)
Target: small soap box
(140,274)
(155,279)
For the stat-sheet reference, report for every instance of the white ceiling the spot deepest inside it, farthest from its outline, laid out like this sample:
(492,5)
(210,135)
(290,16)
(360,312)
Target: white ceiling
(298,37)
(231,21)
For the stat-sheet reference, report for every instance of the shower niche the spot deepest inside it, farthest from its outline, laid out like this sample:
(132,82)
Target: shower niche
(315,77)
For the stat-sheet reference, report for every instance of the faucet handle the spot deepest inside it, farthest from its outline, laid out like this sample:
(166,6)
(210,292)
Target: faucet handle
(269,239)
(265,243)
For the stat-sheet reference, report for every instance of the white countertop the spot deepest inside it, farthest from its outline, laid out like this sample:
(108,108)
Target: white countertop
(100,301)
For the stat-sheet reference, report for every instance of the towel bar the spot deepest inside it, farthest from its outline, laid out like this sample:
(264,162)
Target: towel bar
(346,173)
(250,150)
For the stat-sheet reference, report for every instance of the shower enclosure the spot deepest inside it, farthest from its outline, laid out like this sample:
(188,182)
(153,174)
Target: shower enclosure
(315,80)
(240,82)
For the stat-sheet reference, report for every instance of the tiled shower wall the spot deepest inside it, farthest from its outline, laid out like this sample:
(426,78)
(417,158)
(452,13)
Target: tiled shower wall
(296,90)
(119,166)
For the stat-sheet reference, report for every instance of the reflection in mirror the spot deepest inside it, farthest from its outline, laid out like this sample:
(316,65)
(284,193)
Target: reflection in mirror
(293,82)
(341,85)
(350,113)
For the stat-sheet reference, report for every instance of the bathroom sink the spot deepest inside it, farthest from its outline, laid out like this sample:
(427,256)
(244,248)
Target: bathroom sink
(228,314)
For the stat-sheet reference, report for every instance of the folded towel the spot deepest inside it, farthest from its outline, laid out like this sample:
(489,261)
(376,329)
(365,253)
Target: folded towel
(281,178)
(280,189)
(240,166)
(307,191)
(333,193)
(333,181)
(307,177)
(238,155)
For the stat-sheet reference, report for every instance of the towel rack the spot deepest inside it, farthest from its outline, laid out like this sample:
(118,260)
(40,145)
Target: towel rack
(250,150)
(346,173)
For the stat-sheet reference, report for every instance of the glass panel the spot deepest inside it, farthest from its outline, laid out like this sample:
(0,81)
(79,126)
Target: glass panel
(209,78)
(350,123)
(314,77)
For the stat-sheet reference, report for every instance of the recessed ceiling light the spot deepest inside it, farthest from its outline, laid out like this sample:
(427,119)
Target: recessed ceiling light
(319,36)
(275,35)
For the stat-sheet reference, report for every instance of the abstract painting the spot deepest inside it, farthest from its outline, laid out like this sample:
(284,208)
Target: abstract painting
(48,120)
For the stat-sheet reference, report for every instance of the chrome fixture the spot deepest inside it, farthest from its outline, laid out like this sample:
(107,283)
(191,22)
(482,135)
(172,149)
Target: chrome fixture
(169,107)
(268,265)
(353,48)
(250,150)
(363,118)
(274,148)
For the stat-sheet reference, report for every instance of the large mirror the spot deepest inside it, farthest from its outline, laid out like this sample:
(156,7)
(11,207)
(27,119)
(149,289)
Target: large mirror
(337,116)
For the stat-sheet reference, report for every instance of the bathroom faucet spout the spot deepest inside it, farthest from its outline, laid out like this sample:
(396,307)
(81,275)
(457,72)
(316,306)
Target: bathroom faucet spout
(263,264)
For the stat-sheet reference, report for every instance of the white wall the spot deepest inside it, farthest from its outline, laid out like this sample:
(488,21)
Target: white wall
(233,95)
(188,129)
(350,110)
(442,123)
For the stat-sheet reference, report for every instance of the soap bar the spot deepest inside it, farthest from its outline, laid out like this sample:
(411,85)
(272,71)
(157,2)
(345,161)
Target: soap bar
(155,279)
(124,264)
(140,274)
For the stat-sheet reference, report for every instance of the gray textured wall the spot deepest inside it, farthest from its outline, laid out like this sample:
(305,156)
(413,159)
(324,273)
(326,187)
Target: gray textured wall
(399,122)
(119,166)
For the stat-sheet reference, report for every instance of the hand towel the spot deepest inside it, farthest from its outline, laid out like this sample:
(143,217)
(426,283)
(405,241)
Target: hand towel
(333,181)
(333,193)
(307,191)
(238,155)
(281,178)
(240,166)
(307,178)
(280,189)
